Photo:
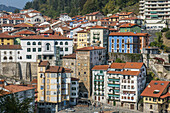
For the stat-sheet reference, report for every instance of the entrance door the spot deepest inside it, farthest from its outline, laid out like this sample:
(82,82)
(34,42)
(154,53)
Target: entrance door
(132,106)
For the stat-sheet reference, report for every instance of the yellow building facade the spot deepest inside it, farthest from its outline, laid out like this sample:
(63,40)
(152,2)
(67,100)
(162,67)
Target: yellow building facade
(6,39)
(53,85)
(83,39)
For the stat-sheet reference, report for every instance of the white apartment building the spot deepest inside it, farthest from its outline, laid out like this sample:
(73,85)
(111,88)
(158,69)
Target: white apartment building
(7,27)
(19,91)
(45,47)
(10,53)
(119,84)
(74,91)
(65,17)
(155,13)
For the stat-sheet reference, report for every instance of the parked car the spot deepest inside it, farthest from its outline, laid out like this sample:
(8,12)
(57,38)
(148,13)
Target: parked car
(70,110)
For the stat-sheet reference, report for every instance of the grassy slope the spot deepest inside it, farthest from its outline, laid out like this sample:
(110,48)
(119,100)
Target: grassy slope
(134,8)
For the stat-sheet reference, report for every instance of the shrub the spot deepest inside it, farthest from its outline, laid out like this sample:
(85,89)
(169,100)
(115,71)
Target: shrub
(167,35)
(164,29)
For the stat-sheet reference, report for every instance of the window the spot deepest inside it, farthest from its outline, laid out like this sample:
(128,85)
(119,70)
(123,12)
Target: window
(123,45)
(56,43)
(84,72)
(66,43)
(48,92)
(117,45)
(150,106)
(61,49)
(72,63)
(73,88)
(4,52)
(61,43)
(39,56)
(28,50)
(34,49)
(5,58)
(66,49)
(112,40)
(18,52)
(47,46)
(29,56)
(78,64)
(33,43)
(154,99)
(123,40)
(146,98)
(39,43)
(39,49)
(85,64)
(10,52)
(117,40)
(28,43)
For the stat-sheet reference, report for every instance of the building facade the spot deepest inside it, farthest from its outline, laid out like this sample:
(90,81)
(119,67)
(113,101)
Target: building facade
(74,91)
(45,47)
(99,36)
(128,42)
(87,58)
(119,84)
(53,87)
(83,39)
(155,13)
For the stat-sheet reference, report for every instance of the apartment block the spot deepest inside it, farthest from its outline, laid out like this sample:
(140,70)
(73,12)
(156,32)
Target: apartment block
(156,97)
(74,91)
(119,84)
(83,39)
(155,13)
(53,87)
(127,42)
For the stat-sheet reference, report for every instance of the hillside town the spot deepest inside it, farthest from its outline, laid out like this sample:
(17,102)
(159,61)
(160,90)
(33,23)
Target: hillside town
(93,61)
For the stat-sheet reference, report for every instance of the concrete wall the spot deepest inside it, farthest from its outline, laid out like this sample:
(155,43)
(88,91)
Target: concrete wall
(23,70)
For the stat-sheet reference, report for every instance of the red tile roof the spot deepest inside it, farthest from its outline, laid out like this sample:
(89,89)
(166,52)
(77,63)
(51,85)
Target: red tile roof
(100,67)
(156,86)
(26,32)
(46,37)
(125,13)
(23,25)
(43,63)
(13,47)
(90,48)
(117,65)
(2,92)
(34,11)
(128,25)
(71,56)
(94,13)
(134,73)
(57,69)
(17,88)
(98,27)
(8,25)
(127,34)
(134,65)
(5,35)
(132,18)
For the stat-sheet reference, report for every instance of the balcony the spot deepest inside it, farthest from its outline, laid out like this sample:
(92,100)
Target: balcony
(100,74)
(113,85)
(99,80)
(113,78)
(113,82)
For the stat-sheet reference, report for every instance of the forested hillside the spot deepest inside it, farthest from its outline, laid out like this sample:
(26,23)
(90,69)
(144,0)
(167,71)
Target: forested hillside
(53,8)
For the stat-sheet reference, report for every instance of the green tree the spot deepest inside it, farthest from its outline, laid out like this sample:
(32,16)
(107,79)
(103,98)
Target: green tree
(11,104)
(167,35)
(118,60)
(16,11)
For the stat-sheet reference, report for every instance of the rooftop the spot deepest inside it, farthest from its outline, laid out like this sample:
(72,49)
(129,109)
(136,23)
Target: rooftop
(127,34)
(90,48)
(46,37)
(100,67)
(155,89)
(10,47)
(71,56)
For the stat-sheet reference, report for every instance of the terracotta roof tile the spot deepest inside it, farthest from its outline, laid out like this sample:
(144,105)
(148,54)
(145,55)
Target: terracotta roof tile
(155,89)
(127,34)
(71,56)
(134,73)
(9,25)
(117,65)
(98,27)
(17,88)
(90,48)
(134,65)
(43,63)
(23,25)
(5,35)
(13,47)
(46,37)
(26,32)
(94,13)
(100,67)
(128,25)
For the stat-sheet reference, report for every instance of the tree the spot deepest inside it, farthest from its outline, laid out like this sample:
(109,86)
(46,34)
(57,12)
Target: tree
(16,11)
(167,35)
(11,104)
(118,60)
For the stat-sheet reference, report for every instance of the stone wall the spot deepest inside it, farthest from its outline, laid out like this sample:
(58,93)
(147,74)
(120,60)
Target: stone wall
(19,70)
(127,57)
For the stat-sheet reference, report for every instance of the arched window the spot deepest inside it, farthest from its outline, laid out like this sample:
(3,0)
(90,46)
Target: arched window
(61,43)
(10,58)
(28,43)
(39,43)
(47,46)
(33,43)
(56,43)
(5,58)
(66,43)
